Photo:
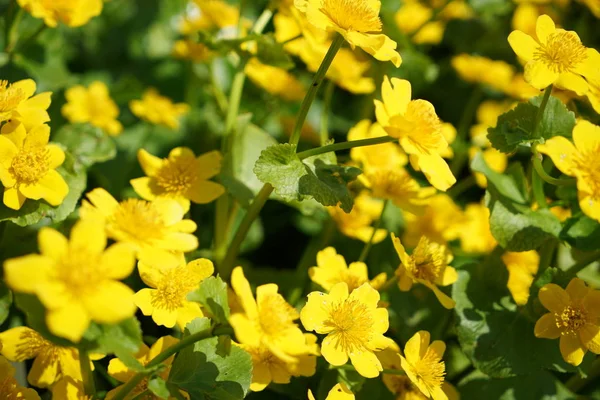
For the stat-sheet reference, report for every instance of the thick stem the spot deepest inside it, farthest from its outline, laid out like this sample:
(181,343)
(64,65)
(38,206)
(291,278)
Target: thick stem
(365,251)
(86,373)
(345,145)
(324,134)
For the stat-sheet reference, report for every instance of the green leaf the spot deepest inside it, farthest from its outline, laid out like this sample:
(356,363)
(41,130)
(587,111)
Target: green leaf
(270,52)
(505,185)
(88,144)
(557,119)
(6,299)
(238,189)
(581,232)
(158,387)
(212,294)
(279,166)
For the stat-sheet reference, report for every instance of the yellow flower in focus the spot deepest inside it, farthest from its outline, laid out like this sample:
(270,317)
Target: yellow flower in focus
(496,160)
(593,93)
(384,155)
(28,166)
(357,223)
(155,230)
(92,105)
(580,161)
(522,267)
(398,186)
(73,13)
(475,235)
(428,265)
(440,221)
(419,129)
(339,392)
(353,324)
(17,103)
(476,69)
(158,110)
(275,80)
(190,50)
(555,57)
(424,366)
(9,387)
(167,301)
(332,269)
(69,389)
(77,280)
(182,177)
(574,317)
(357,21)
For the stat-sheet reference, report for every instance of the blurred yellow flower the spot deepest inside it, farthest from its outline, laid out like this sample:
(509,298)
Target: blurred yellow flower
(92,105)
(476,69)
(522,267)
(77,280)
(475,235)
(419,129)
(580,160)
(449,133)
(170,284)
(398,186)
(353,324)
(520,89)
(593,5)
(487,117)
(357,223)
(190,50)
(275,80)
(208,14)
(573,317)
(384,155)
(182,177)
(339,392)
(155,230)
(555,57)
(17,103)
(28,166)
(73,13)
(158,110)
(496,160)
(424,366)
(9,387)
(428,265)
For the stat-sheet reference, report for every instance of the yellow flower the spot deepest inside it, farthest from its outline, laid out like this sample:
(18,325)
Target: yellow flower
(69,389)
(522,268)
(496,160)
(428,265)
(73,13)
(28,166)
(9,387)
(339,392)
(398,186)
(581,161)
(207,14)
(155,230)
(476,69)
(520,89)
(76,279)
(190,50)
(353,324)
(158,110)
(555,57)
(384,155)
(182,177)
(487,117)
(167,302)
(424,366)
(120,372)
(92,105)
(275,80)
(269,320)
(332,269)
(357,223)
(357,21)
(419,129)
(17,103)
(475,235)
(449,133)
(593,93)
(525,17)
(412,15)
(574,317)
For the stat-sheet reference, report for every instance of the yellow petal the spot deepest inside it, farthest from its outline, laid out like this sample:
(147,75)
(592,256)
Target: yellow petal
(538,75)
(416,347)
(69,322)
(245,329)
(241,286)
(28,86)
(523,45)
(588,202)
(332,353)
(436,171)
(577,289)
(449,277)
(591,303)
(381,320)
(202,268)
(544,27)
(590,337)
(89,235)
(146,188)
(52,243)
(313,315)
(546,328)
(19,344)
(572,349)
(56,156)
(396,95)
(554,298)
(203,192)
(110,302)
(442,297)
(118,261)
(103,200)
(380,46)
(366,364)
(366,295)
(586,136)
(188,312)
(27,273)
(53,188)
(400,250)
(209,165)
(44,371)
(338,292)
(573,82)
(13,198)
(150,164)
(261,377)
(164,317)
(8,150)
(562,152)
(38,136)
(143,299)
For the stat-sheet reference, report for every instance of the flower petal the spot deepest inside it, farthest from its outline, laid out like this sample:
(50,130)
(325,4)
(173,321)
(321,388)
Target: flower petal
(118,261)
(554,298)
(573,82)
(69,322)
(590,337)
(13,198)
(572,349)
(110,302)
(436,171)
(562,152)
(203,192)
(18,344)
(544,27)
(332,353)
(150,164)
(416,347)
(27,273)
(366,364)
(538,75)
(208,165)
(523,45)
(241,286)
(546,328)
(52,243)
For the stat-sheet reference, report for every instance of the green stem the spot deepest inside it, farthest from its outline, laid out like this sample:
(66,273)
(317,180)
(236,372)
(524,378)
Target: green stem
(13,32)
(142,395)
(349,367)
(576,382)
(581,264)
(262,21)
(537,186)
(324,135)
(291,39)
(345,145)
(86,373)
(536,159)
(546,254)
(365,251)
(388,284)
(241,17)
(540,113)
(462,186)
(220,97)
(460,158)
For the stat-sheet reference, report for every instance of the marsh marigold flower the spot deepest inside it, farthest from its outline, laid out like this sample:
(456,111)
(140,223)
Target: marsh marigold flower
(574,317)
(423,364)
(475,234)
(555,57)
(158,110)
(440,221)
(379,156)
(17,102)
(353,324)
(156,230)
(357,223)
(357,21)
(580,160)
(73,13)
(418,127)
(182,177)
(77,280)
(28,166)
(522,267)
(476,69)
(275,80)
(428,265)
(93,105)
(339,392)
(167,301)
(9,387)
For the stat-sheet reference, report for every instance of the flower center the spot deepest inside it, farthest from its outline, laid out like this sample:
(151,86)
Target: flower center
(571,319)
(30,344)
(172,291)
(10,98)
(139,220)
(78,270)
(276,315)
(562,52)
(352,324)
(431,369)
(352,15)
(428,260)
(30,165)
(177,176)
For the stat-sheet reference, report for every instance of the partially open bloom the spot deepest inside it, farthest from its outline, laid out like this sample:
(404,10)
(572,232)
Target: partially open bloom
(28,166)
(339,392)
(476,69)
(555,57)
(440,221)
(73,13)
(158,110)
(353,324)
(17,102)
(522,267)
(423,364)
(397,185)
(167,301)
(275,80)
(357,21)
(574,317)
(357,223)
(428,265)
(92,105)
(419,129)
(332,269)
(182,177)
(475,234)
(9,387)
(580,160)
(77,280)
(155,230)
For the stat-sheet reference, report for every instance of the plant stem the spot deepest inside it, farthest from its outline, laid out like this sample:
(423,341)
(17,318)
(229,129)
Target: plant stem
(324,134)
(241,17)
(13,32)
(345,145)
(538,173)
(546,254)
(142,395)
(349,367)
(388,284)
(576,382)
(536,160)
(537,186)
(86,374)
(462,186)
(262,21)
(581,264)
(365,251)
(461,157)
(216,89)
(540,113)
